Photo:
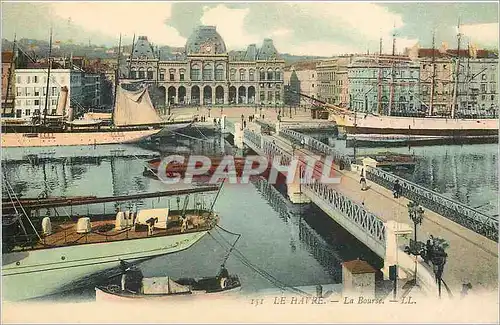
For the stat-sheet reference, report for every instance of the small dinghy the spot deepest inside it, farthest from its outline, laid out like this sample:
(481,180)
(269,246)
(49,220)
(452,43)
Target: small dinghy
(134,286)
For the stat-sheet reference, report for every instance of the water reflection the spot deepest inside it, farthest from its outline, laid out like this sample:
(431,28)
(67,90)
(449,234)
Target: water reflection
(285,244)
(466,173)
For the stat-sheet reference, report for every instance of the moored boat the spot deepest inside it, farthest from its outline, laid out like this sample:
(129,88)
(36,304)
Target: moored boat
(64,249)
(134,286)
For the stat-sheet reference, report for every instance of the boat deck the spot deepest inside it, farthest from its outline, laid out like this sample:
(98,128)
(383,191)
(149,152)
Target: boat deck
(65,233)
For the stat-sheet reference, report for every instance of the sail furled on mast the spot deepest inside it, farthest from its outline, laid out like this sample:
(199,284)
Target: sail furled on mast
(134,108)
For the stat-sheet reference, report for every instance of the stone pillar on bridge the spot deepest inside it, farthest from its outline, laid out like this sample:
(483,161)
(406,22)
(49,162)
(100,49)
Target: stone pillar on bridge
(223,122)
(395,240)
(278,127)
(238,135)
(294,189)
(358,280)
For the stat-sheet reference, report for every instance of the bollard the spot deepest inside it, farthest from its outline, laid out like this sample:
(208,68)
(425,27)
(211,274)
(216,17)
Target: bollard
(319,291)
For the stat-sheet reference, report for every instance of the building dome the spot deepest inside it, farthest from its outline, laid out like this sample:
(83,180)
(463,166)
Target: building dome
(205,40)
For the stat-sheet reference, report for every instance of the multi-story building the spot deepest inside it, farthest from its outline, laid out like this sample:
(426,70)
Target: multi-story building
(334,81)
(386,85)
(207,74)
(31,85)
(476,92)
(8,70)
(436,81)
(91,90)
(301,78)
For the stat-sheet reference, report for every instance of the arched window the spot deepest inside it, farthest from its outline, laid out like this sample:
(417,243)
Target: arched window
(133,73)
(182,73)
(150,73)
(262,74)
(270,74)
(242,74)
(232,74)
(278,74)
(142,73)
(208,72)
(162,74)
(251,75)
(219,72)
(195,72)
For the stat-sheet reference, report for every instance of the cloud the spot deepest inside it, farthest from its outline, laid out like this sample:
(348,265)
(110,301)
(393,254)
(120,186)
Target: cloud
(369,20)
(319,48)
(230,25)
(482,34)
(126,18)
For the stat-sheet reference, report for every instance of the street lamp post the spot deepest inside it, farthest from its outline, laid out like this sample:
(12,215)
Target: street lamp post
(438,259)
(416,214)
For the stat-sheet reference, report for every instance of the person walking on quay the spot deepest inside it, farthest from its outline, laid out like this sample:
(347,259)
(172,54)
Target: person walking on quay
(244,124)
(362,181)
(396,189)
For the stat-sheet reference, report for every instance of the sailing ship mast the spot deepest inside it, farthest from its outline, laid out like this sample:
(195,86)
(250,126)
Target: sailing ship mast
(117,77)
(379,83)
(12,66)
(130,60)
(391,99)
(48,80)
(433,81)
(455,88)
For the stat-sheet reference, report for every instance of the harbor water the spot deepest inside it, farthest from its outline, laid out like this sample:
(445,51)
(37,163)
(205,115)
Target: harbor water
(301,247)
(466,173)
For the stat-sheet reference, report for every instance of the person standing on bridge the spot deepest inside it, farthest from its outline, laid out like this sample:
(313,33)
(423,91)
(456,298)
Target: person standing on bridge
(396,189)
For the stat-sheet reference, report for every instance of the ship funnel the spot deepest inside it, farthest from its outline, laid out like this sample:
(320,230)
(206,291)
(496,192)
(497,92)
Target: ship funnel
(61,103)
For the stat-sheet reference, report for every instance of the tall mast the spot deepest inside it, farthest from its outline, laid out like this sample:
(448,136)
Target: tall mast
(12,67)
(48,80)
(379,83)
(455,88)
(391,99)
(433,80)
(117,77)
(466,80)
(130,60)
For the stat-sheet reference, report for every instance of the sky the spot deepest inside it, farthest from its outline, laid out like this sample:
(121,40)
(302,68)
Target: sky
(299,28)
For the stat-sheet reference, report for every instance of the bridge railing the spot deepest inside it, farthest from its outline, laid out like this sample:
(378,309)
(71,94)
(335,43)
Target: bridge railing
(254,138)
(369,222)
(312,143)
(451,209)
(229,126)
(266,125)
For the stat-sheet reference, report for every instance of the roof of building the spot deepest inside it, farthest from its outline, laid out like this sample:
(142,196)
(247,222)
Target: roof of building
(143,48)
(205,40)
(267,51)
(358,267)
(438,53)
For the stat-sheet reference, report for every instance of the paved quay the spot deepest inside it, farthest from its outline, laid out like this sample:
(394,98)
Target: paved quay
(471,257)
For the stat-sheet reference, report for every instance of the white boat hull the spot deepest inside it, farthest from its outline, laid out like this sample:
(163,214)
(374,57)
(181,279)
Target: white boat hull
(101,295)
(42,272)
(10,140)
(429,126)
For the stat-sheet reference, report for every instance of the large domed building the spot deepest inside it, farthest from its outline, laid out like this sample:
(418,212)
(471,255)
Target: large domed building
(207,74)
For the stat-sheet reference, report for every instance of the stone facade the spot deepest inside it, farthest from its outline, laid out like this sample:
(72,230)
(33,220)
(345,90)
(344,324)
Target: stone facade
(477,81)
(334,81)
(207,74)
(384,84)
(31,89)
